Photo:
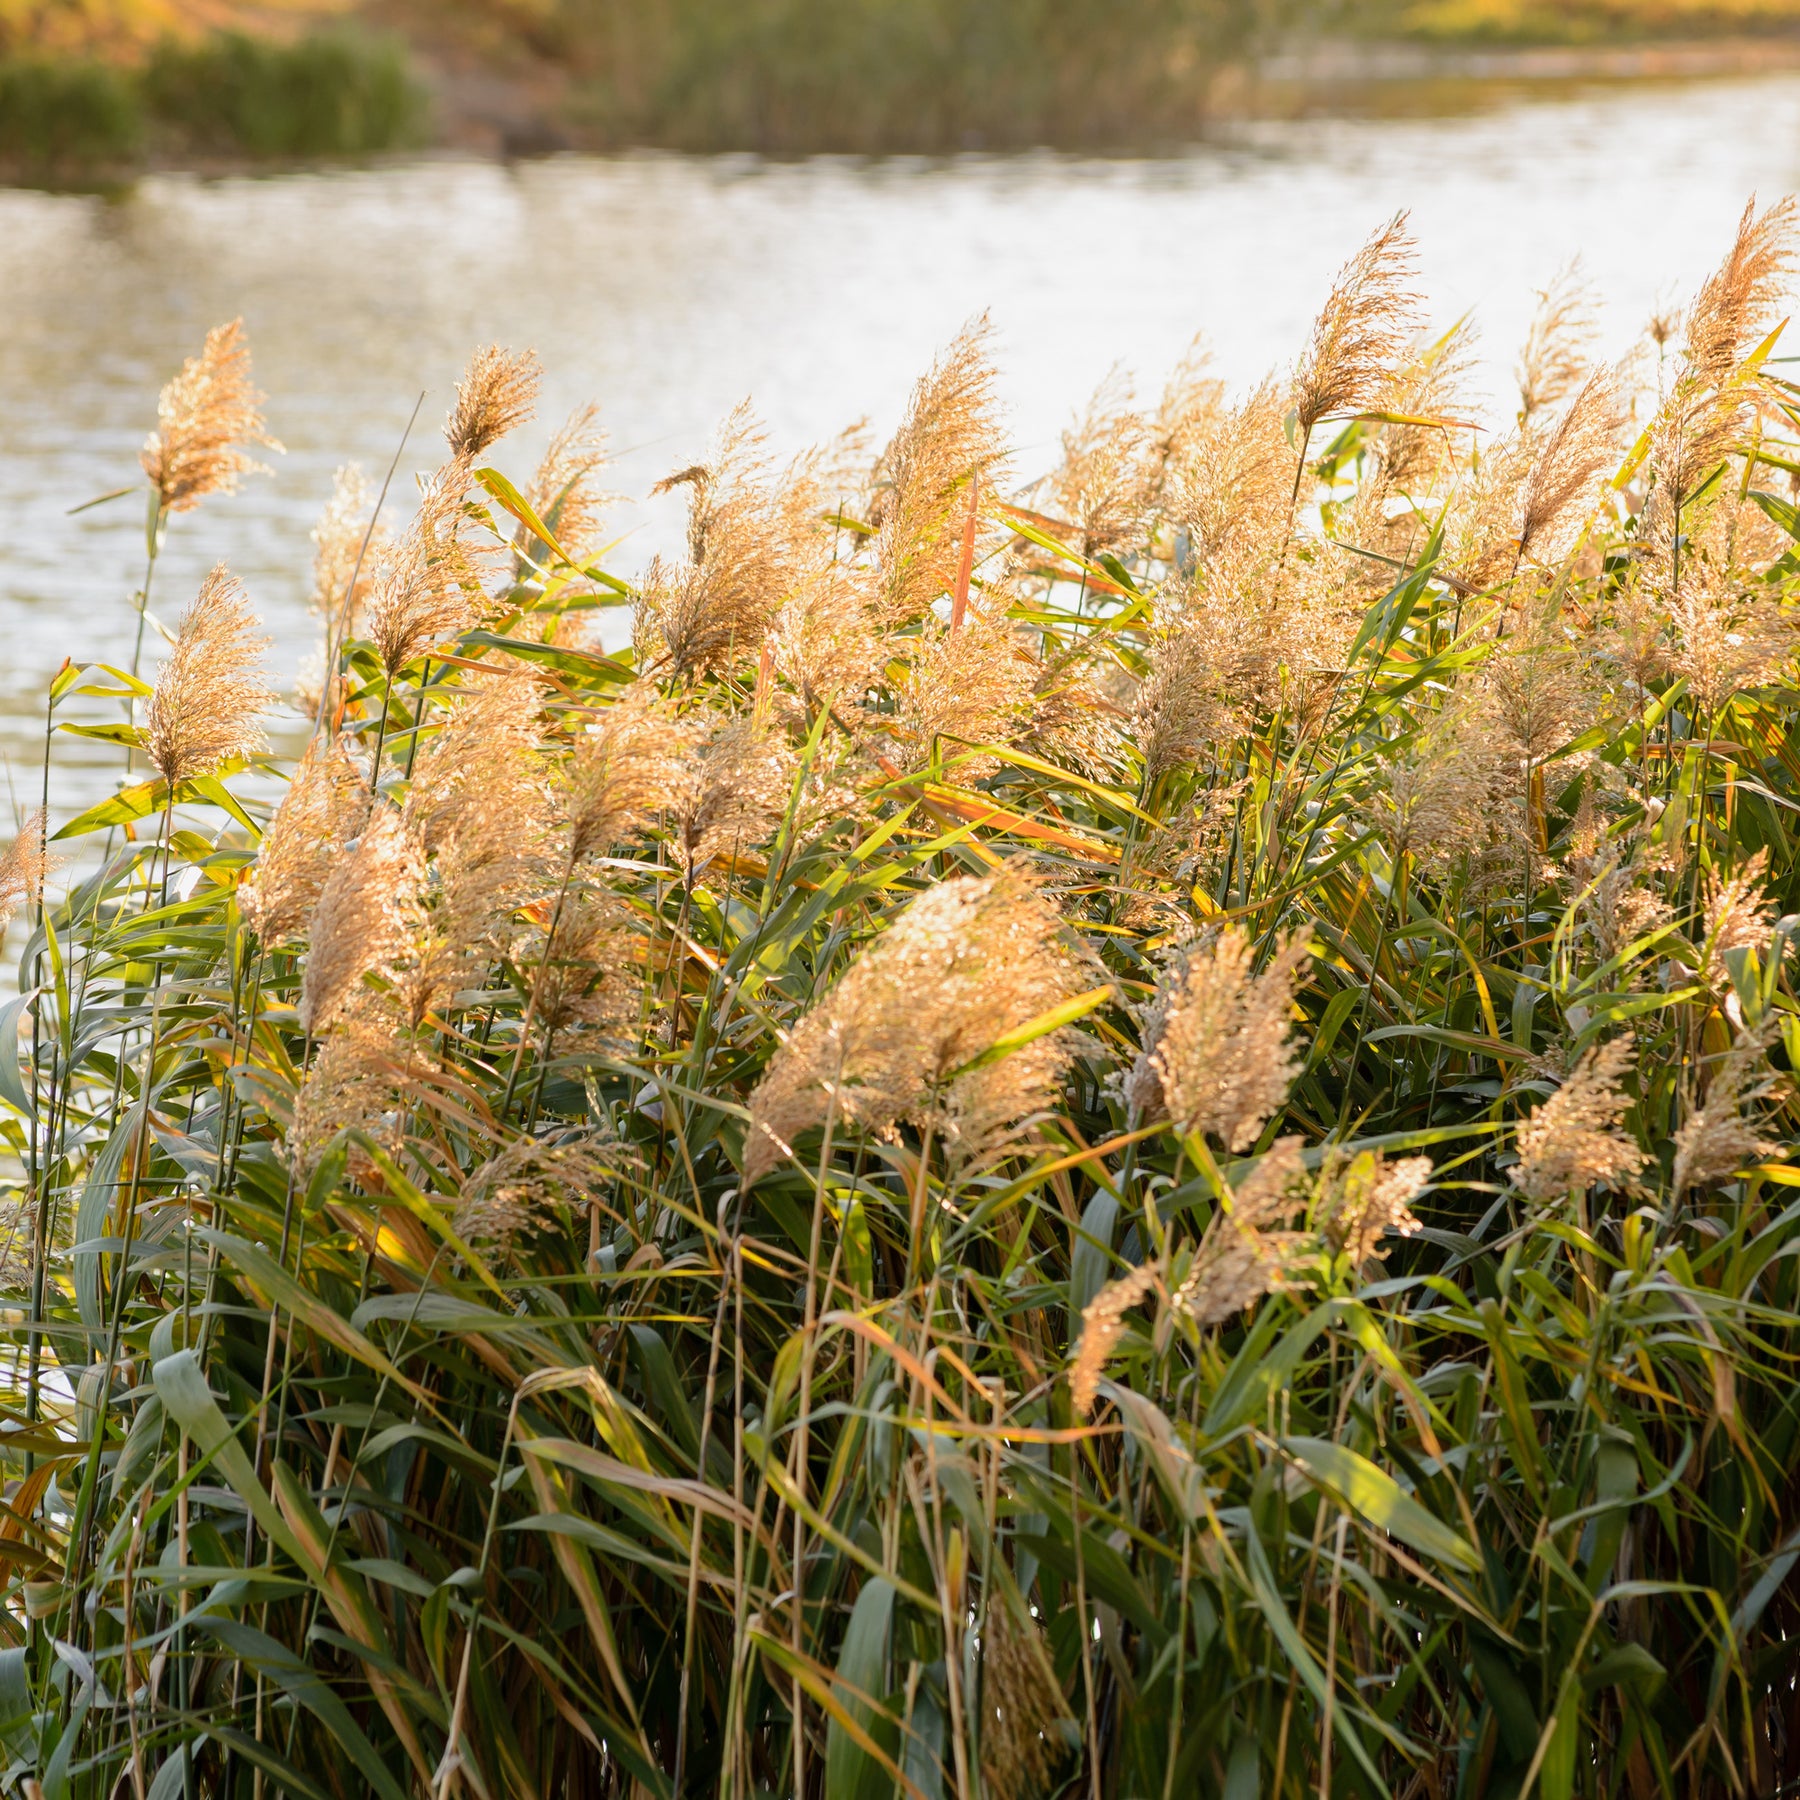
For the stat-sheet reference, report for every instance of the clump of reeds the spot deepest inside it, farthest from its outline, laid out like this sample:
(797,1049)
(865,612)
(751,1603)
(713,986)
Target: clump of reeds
(1122,1132)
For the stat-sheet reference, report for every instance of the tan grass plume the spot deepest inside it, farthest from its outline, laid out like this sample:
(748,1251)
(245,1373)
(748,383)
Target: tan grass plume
(323,810)
(1361,334)
(968,961)
(497,394)
(210,695)
(1217,1054)
(365,915)
(1573,1140)
(203,416)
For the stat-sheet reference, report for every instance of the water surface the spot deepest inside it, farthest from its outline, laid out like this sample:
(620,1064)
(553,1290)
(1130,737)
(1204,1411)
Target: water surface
(669,288)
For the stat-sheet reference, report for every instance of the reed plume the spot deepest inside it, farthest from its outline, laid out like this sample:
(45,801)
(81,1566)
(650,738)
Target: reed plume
(339,555)
(25,865)
(1432,800)
(720,604)
(210,695)
(497,394)
(1360,1199)
(949,438)
(1217,1056)
(1737,305)
(1557,354)
(1104,485)
(1722,638)
(968,961)
(1738,916)
(365,915)
(563,491)
(1186,706)
(733,787)
(1718,1139)
(1561,488)
(202,417)
(1022,1705)
(1360,336)
(1573,1141)
(320,815)
(432,588)
(523,1187)
(483,754)
(1706,409)
(1230,478)
(963,687)
(1246,1252)
(1102,1325)
(627,766)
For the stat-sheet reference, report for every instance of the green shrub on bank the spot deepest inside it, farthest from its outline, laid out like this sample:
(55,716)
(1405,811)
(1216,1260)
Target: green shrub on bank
(67,114)
(908,75)
(330,94)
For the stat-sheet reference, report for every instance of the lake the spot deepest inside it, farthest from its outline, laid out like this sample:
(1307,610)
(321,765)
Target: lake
(669,288)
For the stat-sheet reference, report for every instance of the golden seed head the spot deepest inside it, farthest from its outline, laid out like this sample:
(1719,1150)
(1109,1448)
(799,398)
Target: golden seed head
(202,417)
(1557,356)
(210,695)
(497,394)
(718,605)
(1718,1139)
(1102,1325)
(1573,1140)
(1361,1199)
(25,865)
(432,588)
(1217,1054)
(1361,335)
(339,555)
(967,962)
(949,438)
(323,810)
(364,917)
(1022,1705)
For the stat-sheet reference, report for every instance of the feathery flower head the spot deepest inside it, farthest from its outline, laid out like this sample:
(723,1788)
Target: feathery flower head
(1361,335)
(1573,1140)
(338,541)
(25,865)
(432,588)
(1022,1706)
(202,416)
(497,394)
(364,917)
(210,694)
(1102,1325)
(967,962)
(324,808)
(1217,1054)
(1739,915)
(1246,1253)
(1717,1138)
(731,791)
(1555,359)
(563,492)
(1361,1198)
(628,766)
(519,1190)
(1563,484)
(949,438)
(721,602)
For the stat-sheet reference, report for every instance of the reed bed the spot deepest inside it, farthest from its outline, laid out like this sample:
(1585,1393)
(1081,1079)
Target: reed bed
(1117,1136)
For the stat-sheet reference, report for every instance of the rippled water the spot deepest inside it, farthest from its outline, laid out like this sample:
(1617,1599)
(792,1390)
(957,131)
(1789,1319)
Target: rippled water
(668,288)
